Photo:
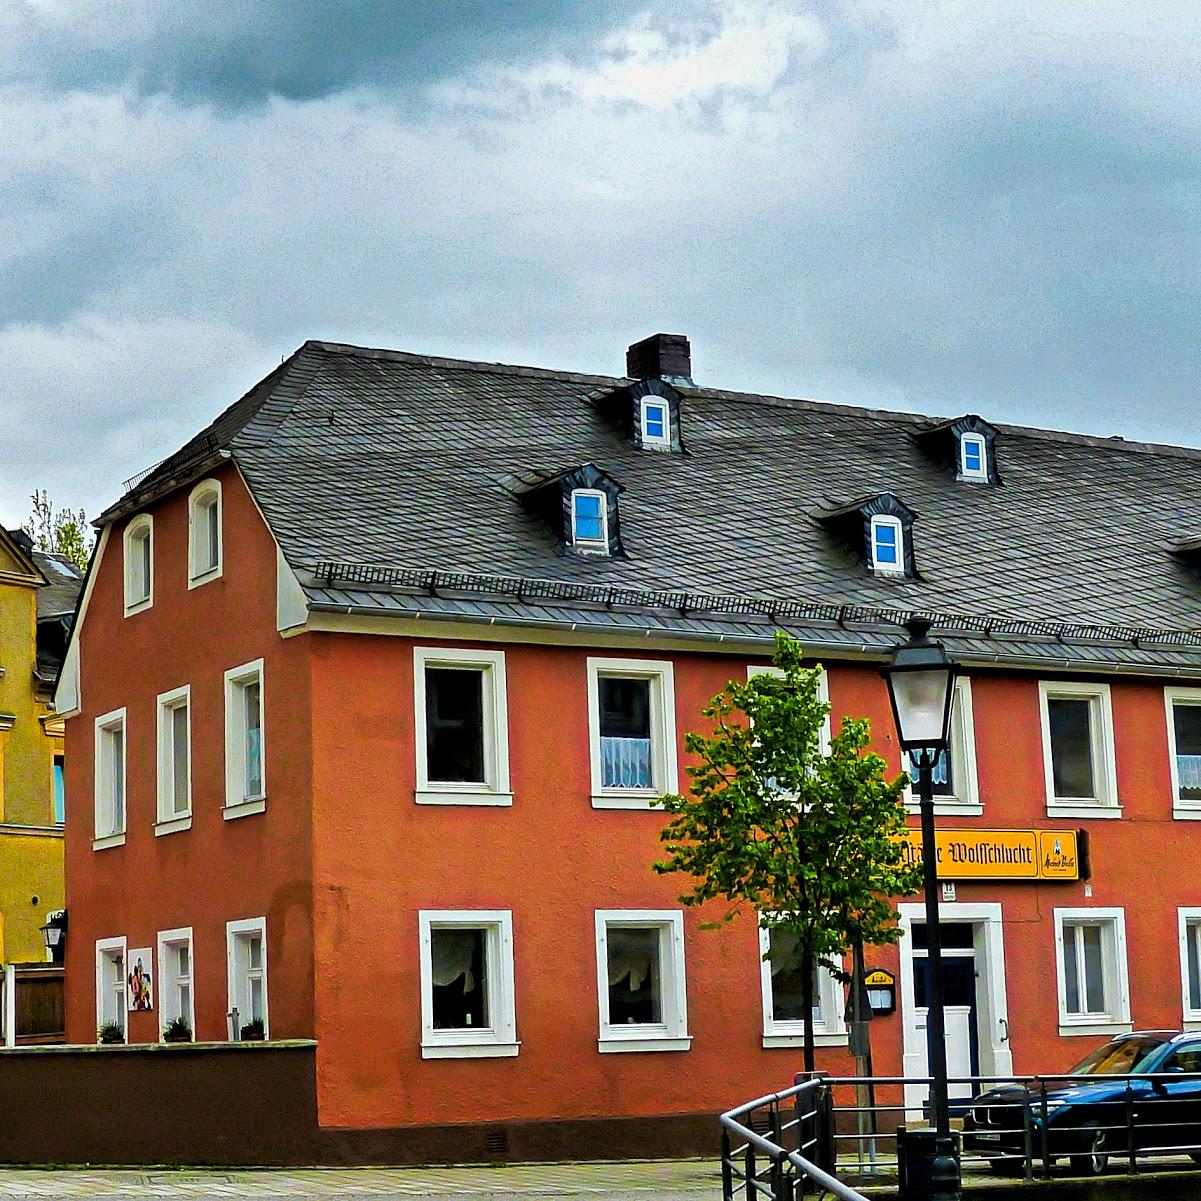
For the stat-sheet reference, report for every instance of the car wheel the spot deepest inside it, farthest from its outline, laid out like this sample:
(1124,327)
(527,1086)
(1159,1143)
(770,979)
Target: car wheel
(1010,1166)
(1095,1158)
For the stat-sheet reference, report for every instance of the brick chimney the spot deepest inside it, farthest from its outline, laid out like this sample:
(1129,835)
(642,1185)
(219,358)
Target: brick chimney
(661,356)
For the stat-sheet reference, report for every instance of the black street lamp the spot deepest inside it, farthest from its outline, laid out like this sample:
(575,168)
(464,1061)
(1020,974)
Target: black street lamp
(921,682)
(53,934)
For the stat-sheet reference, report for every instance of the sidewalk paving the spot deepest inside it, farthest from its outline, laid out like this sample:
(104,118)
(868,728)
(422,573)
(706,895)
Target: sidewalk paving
(675,1180)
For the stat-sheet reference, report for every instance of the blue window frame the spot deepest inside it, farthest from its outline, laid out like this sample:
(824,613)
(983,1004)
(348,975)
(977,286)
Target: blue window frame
(887,545)
(655,423)
(589,519)
(972,461)
(60,792)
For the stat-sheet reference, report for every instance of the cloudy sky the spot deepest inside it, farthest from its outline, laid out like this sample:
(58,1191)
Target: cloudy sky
(938,205)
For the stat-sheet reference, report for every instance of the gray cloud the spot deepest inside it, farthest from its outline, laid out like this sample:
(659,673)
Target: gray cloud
(942,206)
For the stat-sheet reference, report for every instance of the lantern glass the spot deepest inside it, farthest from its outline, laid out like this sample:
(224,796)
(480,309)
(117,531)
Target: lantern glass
(921,700)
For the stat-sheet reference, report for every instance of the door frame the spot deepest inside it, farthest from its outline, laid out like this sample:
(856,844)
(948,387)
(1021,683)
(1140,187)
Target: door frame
(992,1008)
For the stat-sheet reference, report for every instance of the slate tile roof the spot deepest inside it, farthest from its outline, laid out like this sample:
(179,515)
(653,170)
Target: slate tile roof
(386,459)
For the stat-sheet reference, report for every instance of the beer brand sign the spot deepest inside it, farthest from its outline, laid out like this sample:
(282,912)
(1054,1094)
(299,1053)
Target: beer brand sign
(1002,854)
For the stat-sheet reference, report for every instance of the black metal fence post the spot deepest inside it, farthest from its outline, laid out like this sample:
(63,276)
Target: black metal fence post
(1046,1138)
(1133,1168)
(727,1168)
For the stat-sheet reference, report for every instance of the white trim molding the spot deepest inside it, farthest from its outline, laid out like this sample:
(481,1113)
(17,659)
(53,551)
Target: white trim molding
(238,973)
(241,799)
(139,594)
(168,983)
(671,1033)
(198,499)
(498,1039)
(108,829)
(110,988)
(171,818)
(1115,1018)
(490,665)
(1182,809)
(829,1031)
(965,802)
(664,754)
(1105,802)
(823,695)
(1188,919)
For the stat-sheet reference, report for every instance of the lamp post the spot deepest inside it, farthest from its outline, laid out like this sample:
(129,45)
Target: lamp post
(53,934)
(920,685)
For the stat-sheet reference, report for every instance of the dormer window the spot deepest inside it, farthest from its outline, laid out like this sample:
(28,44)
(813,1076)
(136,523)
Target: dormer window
(139,564)
(590,521)
(973,457)
(879,528)
(656,422)
(887,545)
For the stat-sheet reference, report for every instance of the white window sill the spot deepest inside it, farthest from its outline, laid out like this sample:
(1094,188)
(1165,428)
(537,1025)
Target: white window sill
(140,607)
(109,840)
(436,796)
(611,1046)
(173,825)
(488,1050)
(1100,1026)
(244,808)
(1084,809)
(821,1038)
(948,807)
(206,578)
(1184,813)
(1192,1022)
(626,798)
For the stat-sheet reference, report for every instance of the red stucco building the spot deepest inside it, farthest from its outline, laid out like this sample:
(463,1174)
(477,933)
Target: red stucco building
(373,683)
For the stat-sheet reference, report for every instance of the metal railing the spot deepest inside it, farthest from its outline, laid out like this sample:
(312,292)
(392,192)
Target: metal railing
(822,1132)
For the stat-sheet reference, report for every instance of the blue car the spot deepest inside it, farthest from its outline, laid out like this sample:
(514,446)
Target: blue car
(1093,1112)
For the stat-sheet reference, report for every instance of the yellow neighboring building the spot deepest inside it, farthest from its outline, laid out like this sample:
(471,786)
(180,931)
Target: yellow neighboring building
(37,598)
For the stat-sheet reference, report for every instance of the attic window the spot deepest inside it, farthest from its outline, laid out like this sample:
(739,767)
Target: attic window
(973,457)
(656,422)
(887,545)
(590,521)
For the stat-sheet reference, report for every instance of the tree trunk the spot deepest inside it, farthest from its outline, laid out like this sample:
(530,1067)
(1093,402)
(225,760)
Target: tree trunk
(807,996)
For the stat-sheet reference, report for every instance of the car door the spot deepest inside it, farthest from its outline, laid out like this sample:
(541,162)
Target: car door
(1171,1113)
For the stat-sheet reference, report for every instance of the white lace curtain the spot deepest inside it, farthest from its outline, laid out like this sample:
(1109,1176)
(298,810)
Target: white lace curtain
(633,956)
(452,952)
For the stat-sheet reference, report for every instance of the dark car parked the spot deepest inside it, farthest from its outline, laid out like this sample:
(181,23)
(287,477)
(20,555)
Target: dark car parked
(1145,1085)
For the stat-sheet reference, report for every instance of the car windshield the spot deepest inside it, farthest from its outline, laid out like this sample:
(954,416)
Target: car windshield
(1122,1057)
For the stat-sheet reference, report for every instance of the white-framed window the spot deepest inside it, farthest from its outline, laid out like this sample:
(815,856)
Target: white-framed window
(110,983)
(468,1005)
(640,980)
(1090,954)
(245,761)
(177,998)
(590,520)
(655,418)
(823,694)
(1078,749)
(973,457)
(1184,749)
(1189,918)
(109,780)
(782,981)
(888,545)
(139,564)
(246,966)
(204,533)
(174,760)
(461,721)
(632,732)
(956,784)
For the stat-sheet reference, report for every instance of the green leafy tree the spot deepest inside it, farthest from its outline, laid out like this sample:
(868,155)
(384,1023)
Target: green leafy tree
(60,532)
(811,841)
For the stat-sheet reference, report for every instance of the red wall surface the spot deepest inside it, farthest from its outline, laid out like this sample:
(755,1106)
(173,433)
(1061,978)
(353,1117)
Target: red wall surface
(219,870)
(552,860)
(343,859)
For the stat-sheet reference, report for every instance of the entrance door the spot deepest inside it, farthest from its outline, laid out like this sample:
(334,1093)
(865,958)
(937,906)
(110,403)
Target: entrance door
(959,1003)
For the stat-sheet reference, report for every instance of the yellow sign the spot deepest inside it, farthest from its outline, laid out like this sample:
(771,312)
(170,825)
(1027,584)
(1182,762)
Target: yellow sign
(879,979)
(1001,854)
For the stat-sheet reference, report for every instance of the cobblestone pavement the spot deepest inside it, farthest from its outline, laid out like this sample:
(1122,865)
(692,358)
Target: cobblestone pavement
(677,1180)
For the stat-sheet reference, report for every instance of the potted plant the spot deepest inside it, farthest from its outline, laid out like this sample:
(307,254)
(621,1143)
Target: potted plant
(253,1032)
(177,1030)
(110,1033)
